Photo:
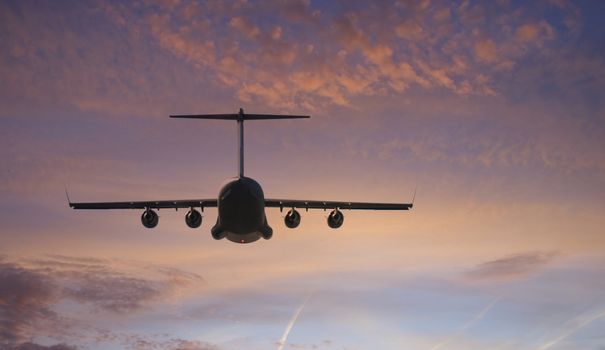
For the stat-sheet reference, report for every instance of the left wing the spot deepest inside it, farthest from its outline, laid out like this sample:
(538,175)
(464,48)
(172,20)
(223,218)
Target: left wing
(179,203)
(314,204)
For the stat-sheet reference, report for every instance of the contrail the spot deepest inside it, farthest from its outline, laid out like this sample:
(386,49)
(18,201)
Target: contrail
(579,323)
(468,324)
(284,337)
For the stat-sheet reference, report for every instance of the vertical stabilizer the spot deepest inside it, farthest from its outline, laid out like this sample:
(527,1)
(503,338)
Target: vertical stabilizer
(240,142)
(240,117)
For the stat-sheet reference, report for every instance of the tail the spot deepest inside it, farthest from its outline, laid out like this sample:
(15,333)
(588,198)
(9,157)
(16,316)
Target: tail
(240,117)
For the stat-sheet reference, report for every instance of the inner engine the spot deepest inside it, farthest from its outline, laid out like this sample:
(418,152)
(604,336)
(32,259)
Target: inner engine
(292,218)
(193,218)
(149,218)
(336,218)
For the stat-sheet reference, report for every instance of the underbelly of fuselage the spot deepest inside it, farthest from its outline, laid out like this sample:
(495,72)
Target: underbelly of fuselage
(241,212)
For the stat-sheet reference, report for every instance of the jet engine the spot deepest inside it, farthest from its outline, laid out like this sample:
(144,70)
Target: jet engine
(292,218)
(193,218)
(336,218)
(149,218)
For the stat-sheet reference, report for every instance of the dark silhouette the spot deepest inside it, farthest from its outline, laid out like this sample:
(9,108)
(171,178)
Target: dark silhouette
(241,202)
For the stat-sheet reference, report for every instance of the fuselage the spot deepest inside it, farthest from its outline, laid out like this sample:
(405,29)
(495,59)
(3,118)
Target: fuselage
(241,212)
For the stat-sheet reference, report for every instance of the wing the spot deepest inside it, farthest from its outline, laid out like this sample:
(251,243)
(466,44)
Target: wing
(179,203)
(313,204)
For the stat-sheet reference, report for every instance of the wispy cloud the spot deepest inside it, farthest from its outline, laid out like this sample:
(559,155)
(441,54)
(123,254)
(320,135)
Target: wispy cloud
(282,341)
(572,326)
(112,286)
(470,323)
(510,267)
(34,346)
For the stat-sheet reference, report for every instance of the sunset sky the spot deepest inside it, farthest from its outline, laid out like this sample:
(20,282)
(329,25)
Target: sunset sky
(494,110)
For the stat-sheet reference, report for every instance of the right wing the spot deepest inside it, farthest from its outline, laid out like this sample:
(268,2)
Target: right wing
(179,203)
(315,204)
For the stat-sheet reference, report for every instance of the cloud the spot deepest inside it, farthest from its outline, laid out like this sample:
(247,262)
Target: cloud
(34,346)
(535,32)
(30,290)
(145,343)
(26,297)
(282,341)
(180,344)
(573,325)
(113,286)
(351,52)
(510,267)
(113,293)
(470,323)
(296,10)
(485,50)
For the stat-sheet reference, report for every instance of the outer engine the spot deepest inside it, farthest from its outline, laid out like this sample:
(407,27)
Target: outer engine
(292,218)
(149,218)
(336,218)
(193,218)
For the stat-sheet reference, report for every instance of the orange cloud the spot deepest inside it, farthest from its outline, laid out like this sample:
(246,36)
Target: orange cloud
(485,51)
(535,32)
(245,27)
(330,60)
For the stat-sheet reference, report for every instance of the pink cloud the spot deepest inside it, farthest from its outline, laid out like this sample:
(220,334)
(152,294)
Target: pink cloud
(485,50)
(30,290)
(234,46)
(535,32)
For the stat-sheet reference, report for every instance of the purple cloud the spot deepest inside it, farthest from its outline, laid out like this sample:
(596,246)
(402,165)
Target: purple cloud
(26,297)
(510,267)
(34,346)
(30,290)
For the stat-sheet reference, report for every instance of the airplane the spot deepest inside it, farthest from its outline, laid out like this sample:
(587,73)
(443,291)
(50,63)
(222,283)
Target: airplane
(241,202)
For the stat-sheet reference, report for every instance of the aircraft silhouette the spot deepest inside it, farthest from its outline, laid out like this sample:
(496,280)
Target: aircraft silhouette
(241,202)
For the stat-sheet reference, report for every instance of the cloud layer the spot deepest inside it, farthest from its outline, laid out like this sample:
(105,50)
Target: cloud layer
(30,291)
(289,55)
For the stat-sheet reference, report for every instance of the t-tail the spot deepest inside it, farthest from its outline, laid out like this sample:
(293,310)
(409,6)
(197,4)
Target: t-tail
(240,118)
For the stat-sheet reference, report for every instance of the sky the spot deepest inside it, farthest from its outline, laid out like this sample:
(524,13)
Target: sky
(493,110)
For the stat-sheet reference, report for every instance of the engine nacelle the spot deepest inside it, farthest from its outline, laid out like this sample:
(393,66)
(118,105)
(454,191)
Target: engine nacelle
(193,218)
(149,218)
(335,219)
(292,218)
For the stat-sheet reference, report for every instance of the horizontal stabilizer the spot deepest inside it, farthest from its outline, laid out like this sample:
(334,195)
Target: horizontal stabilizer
(237,116)
(273,116)
(207,116)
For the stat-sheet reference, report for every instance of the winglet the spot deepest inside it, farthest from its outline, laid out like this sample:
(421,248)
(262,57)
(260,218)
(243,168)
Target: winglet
(414,196)
(67,195)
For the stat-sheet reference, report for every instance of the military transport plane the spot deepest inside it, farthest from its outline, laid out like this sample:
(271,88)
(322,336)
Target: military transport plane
(241,203)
